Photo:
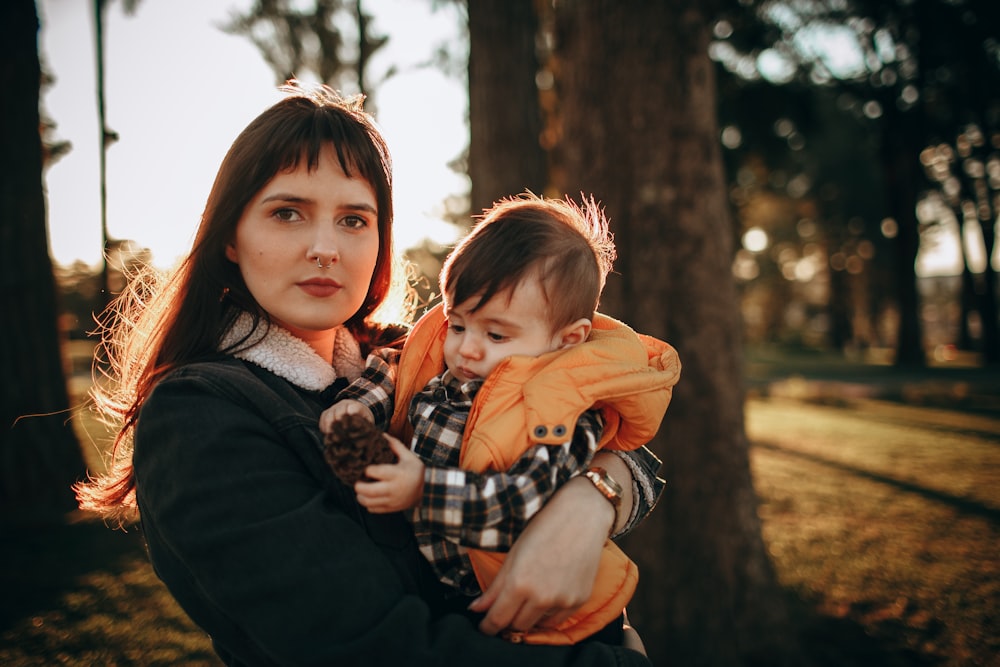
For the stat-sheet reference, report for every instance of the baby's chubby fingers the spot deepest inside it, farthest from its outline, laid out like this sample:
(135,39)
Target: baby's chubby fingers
(391,487)
(341,409)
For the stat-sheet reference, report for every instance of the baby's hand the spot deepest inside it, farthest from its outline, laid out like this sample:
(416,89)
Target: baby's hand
(340,409)
(394,486)
(352,442)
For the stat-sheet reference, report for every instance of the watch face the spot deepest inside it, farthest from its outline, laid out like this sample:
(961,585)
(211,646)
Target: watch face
(605,484)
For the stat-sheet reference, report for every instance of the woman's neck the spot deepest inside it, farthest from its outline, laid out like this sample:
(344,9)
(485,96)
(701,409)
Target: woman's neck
(322,342)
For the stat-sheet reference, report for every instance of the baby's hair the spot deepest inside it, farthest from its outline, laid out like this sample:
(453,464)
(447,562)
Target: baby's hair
(569,245)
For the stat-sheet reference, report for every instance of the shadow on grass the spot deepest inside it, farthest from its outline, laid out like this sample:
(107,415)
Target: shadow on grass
(964,505)
(78,593)
(842,642)
(43,559)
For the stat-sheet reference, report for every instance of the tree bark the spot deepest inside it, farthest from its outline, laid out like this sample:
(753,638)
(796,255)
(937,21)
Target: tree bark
(40,456)
(639,131)
(901,138)
(505,154)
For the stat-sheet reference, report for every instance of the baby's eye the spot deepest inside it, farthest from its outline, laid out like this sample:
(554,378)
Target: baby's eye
(287,215)
(457,328)
(496,338)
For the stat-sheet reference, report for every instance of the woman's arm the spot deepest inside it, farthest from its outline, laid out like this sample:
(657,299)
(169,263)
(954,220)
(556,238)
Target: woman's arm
(619,471)
(550,571)
(551,568)
(644,490)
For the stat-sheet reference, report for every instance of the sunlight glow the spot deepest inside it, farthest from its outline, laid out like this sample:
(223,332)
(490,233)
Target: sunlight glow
(755,239)
(836,46)
(775,67)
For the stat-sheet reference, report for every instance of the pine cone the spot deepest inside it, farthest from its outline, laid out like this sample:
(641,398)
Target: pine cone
(353,444)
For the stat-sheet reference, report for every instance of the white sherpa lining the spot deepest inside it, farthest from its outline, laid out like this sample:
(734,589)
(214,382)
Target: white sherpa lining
(291,358)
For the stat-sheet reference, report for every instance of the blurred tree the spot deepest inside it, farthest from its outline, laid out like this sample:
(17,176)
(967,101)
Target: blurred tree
(79,298)
(107,137)
(794,144)
(40,456)
(921,72)
(298,41)
(638,130)
(505,153)
(967,172)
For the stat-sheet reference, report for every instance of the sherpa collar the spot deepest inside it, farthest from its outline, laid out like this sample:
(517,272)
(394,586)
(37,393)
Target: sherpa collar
(288,356)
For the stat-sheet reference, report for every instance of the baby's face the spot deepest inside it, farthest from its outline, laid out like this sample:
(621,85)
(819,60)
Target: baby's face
(513,322)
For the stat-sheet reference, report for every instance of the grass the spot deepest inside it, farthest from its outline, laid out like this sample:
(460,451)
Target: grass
(80,594)
(882,518)
(888,517)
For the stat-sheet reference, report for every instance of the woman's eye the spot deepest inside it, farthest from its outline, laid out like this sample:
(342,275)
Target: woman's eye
(287,215)
(354,222)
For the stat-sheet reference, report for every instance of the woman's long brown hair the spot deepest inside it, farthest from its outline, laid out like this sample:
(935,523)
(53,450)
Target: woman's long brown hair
(161,323)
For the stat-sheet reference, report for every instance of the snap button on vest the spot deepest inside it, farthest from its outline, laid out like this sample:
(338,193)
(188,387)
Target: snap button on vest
(540,431)
(559,431)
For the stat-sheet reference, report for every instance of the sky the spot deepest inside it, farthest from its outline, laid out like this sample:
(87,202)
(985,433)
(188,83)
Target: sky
(178,90)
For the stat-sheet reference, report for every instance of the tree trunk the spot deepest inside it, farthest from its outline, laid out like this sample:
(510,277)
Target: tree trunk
(841,304)
(505,156)
(901,162)
(988,301)
(39,454)
(637,101)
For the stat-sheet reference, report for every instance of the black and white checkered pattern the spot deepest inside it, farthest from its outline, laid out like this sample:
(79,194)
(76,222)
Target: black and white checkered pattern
(461,508)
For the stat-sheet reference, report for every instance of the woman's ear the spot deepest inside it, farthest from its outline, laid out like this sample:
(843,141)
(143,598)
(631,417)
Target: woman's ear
(231,252)
(575,333)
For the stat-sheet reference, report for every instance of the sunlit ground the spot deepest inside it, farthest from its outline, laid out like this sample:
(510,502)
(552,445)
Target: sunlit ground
(883,517)
(888,516)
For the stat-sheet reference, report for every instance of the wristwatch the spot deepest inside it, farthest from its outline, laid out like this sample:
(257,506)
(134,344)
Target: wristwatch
(608,487)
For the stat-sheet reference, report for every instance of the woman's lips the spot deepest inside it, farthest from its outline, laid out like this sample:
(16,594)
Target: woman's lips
(320,287)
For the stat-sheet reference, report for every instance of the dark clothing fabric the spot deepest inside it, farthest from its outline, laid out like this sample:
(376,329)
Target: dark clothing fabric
(272,556)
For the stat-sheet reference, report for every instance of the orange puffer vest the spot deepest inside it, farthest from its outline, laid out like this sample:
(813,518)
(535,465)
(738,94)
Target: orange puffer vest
(629,377)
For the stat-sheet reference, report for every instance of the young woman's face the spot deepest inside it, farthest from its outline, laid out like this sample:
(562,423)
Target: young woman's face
(306,246)
(512,322)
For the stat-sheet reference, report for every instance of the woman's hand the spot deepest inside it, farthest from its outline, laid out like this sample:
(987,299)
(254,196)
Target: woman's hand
(551,568)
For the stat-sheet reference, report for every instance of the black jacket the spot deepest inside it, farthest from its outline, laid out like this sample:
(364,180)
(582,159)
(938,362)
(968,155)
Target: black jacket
(272,556)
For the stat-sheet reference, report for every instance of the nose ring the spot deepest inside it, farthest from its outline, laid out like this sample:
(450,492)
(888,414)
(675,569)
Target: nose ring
(319,264)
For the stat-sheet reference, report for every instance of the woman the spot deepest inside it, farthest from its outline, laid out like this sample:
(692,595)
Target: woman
(222,375)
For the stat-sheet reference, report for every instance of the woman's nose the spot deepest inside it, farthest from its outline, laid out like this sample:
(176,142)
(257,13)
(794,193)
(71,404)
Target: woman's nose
(323,249)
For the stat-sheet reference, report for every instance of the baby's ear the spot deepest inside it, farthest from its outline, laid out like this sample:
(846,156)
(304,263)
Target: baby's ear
(575,333)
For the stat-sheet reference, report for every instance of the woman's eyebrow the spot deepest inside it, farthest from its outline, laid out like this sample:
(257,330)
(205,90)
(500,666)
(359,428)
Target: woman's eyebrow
(281,196)
(286,197)
(362,207)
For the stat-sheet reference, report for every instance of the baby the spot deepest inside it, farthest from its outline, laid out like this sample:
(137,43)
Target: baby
(505,392)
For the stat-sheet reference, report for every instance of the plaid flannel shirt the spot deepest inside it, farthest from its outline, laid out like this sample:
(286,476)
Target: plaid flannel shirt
(461,508)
